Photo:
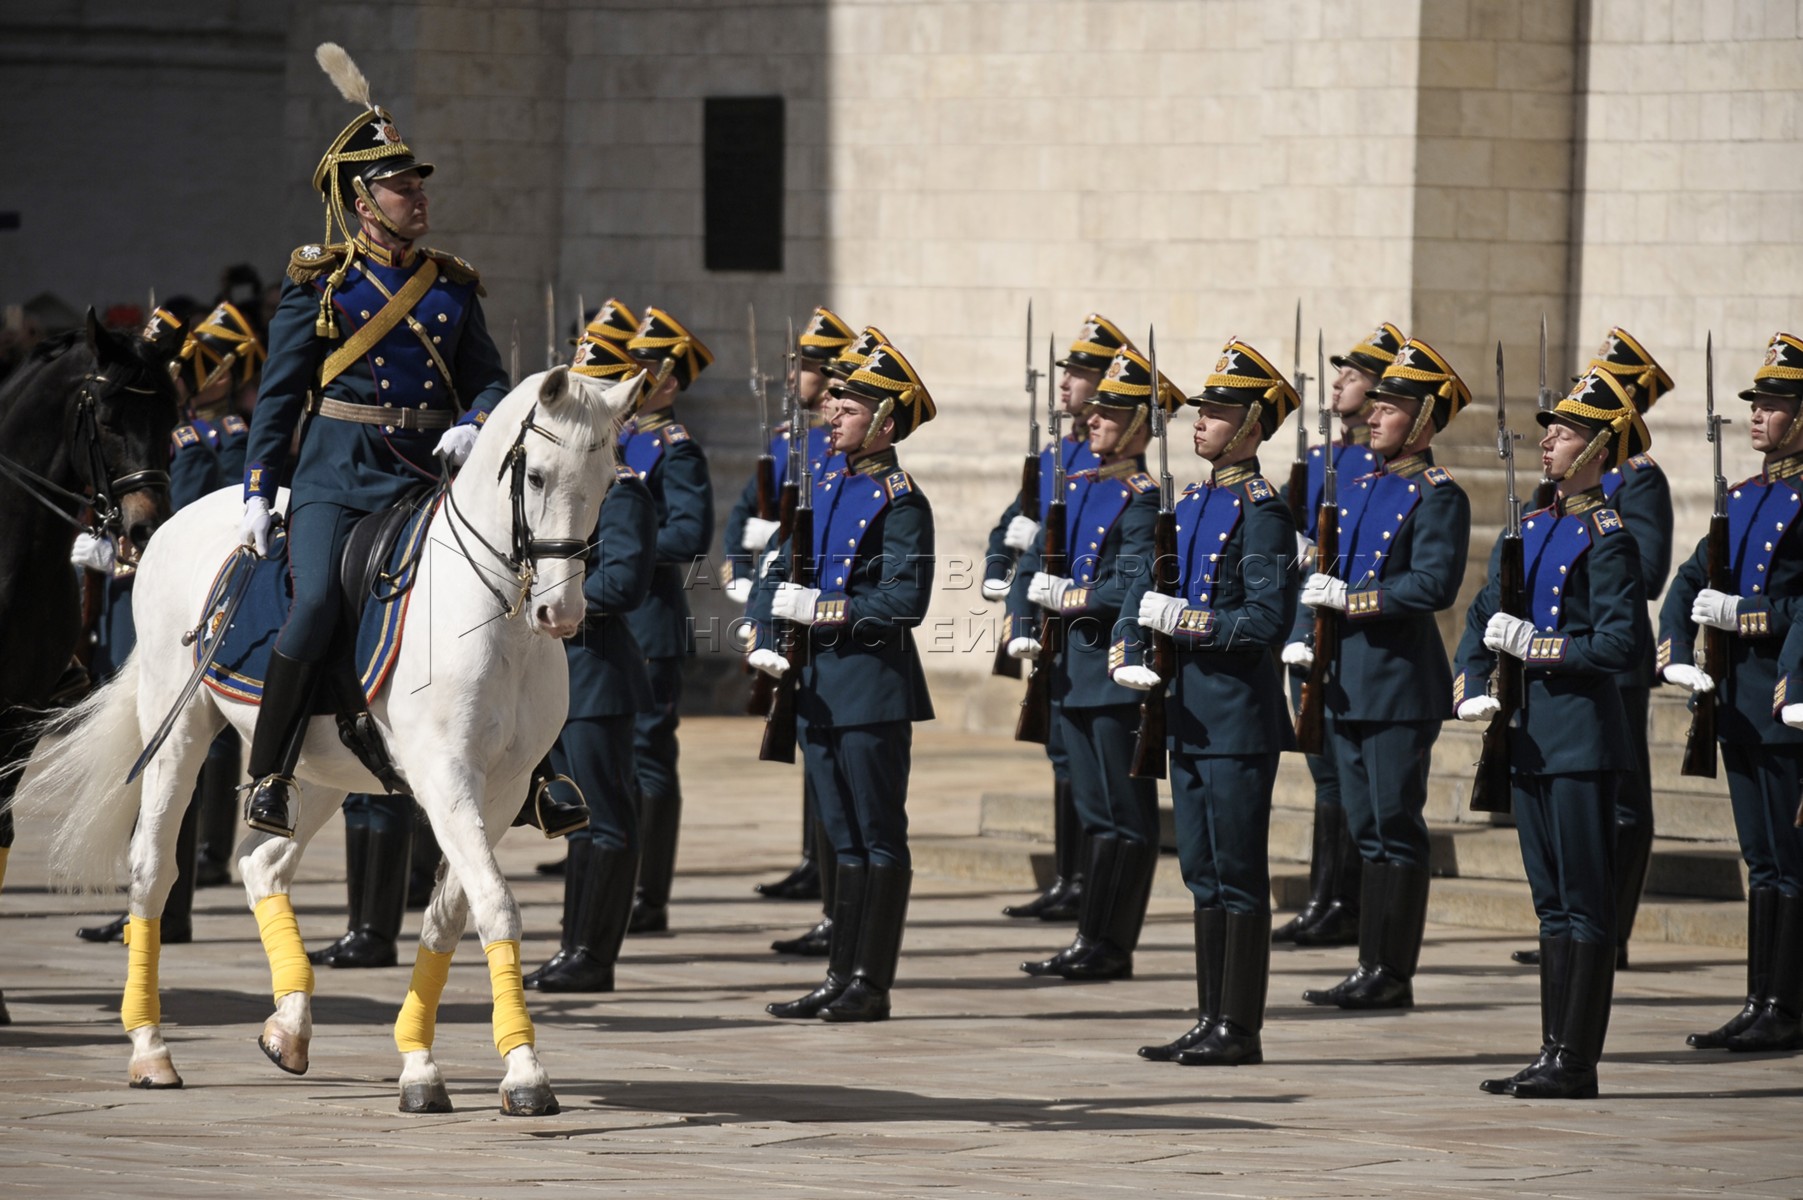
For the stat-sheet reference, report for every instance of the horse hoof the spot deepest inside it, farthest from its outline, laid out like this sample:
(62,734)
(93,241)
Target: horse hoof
(285,1050)
(155,1072)
(426,1098)
(529,1102)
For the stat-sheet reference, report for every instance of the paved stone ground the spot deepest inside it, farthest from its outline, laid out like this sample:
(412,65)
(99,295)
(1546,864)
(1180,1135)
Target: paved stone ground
(985,1083)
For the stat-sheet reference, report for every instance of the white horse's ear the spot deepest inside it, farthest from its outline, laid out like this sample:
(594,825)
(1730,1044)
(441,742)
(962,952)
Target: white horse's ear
(554,387)
(623,397)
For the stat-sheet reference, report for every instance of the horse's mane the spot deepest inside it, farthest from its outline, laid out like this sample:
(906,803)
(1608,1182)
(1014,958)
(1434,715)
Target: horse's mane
(47,352)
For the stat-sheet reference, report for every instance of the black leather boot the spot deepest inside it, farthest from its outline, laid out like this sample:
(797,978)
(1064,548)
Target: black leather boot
(356,865)
(276,745)
(1777,1027)
(422,871)
(378,880)
(660,819)
(112,931)
(1338,922)
(554,805)
(1570,1072)
(1099,878)
(879,948)
(1554,957)
(1060,901)
(600,925)
(1321,854)
(818,940)
(1405,918)
(849,887)
(216,796)
(1762,927)
(803,881)
(178,909)
(1211,957)
(574,876)
(1372,880)
(1234,1041)
(1123,917)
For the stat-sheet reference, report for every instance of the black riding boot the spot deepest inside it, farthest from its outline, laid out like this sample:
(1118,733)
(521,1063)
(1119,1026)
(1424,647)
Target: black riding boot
(600,926)
(1322,852)
(1211,956)
(276,745)
(1404,919)
(1121,917)
(423,864)
(1777,1026)
(1372,881)
(850,884)
(1762,928)
(1060,901)
(879,948)
(804,881)
(1633,856)
(377,871)
(818,940)
(1338,922)
(356,866)
(216,796)
(178,909)
(660,819)
(1235,1041)
(575,873)
(1100,880)
(1570,1072)
(1554,957)
(554,805)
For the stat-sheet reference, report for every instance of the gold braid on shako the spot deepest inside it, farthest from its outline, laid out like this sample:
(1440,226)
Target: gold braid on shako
(219,342)
(1448,390)
(1272,387)
(1616,422)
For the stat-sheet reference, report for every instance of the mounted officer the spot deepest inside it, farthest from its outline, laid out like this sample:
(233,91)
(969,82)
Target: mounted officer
(381,345)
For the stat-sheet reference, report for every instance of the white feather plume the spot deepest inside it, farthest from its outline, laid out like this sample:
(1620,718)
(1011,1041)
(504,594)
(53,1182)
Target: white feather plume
(336,63)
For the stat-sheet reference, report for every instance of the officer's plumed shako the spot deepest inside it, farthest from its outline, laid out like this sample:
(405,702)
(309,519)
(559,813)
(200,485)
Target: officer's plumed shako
(1375,353)
(601,357)
(1096,345)
(369,149)
(1421,373)
(223,345)
(826,335)
(662,336)
(853,356)
(1244,378)
(888,379)
(1626,359)
(612,322)
(1602,405)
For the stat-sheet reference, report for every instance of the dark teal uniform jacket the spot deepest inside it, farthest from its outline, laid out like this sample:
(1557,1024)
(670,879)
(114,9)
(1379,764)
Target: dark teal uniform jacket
(998,557)
(1640,492)
(740,563)
(607,667)
(673,467)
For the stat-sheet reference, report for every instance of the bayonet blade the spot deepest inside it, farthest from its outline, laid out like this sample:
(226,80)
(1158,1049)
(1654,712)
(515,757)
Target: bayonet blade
(513,353)
(551,355)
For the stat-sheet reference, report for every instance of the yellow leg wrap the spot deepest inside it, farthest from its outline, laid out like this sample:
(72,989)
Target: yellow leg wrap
(513,1028)
(289,970)
(143,943)
(415,1028)
(4,851)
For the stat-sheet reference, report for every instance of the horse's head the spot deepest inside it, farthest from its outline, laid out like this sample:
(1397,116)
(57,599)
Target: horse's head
(550,445)
(118,431)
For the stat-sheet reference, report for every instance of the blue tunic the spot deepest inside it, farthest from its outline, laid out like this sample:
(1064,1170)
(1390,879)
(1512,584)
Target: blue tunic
(739,564)
(999,558)
(661,452)
(607,667)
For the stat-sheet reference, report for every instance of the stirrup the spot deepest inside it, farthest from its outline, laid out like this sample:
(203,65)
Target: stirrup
(553,819)
(263,821)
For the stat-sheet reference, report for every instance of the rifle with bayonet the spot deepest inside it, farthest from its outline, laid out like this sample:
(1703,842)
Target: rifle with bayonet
(1161,654)
(1311,707)
(792,639)
(1491,789)
(1699,743)
(1035,723)
(552,357)
(766,489)
(1004,663)
(1546,490)
(1298,490)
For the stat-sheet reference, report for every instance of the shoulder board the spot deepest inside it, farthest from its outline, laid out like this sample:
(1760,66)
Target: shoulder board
(309,262)
(674,433)
(1260,491)
(1642,462)
(1141,482)
(234,425)
(624,473)
(1437,475)
(185,436)
(1607,521)
(898,483)
(1193,488)
(455,269)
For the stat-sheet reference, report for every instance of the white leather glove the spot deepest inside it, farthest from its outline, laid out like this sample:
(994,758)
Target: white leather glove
(94,553)
(1324,591)
(1140,679)
(1792,715)
(738,590)
(1508,635)
(995,589)
(1161,612)
(764,563)
(1692,679)
(1047,591)
(769,662)
(1298,654)
(1479,708)
(1022,533)
(794,603)
(1716,609)
(1023,648)
(757,534)
(255,528)
(455,446)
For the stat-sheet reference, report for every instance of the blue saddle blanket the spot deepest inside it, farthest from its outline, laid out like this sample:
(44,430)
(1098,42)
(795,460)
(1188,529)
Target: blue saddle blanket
(242,662)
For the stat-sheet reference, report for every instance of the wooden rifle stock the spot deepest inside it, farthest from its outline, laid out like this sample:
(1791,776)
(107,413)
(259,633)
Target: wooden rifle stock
(1298,490)
(766,485)
(1491,789)
(1311,709)
(1035,723)
(1149,742)
(1029,504)
(1699,743)
(779,722)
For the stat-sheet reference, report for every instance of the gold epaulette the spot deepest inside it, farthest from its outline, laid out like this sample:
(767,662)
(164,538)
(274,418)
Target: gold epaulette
(456,270)
(313,260)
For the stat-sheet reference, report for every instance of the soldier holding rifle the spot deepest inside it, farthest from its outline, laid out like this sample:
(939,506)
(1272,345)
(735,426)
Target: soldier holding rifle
(1741,588)
(1233,605)
(1566,745)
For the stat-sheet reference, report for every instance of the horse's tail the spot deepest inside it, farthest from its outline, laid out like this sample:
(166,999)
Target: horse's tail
(76,784)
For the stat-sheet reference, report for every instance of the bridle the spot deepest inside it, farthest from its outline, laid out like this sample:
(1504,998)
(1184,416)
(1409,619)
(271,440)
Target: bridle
(104,488)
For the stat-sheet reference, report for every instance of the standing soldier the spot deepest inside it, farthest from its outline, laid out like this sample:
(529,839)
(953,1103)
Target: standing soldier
(862,687)
(671,463)
(1234,604)
(1763,755)
(1404,533)
(1330,918)
(1567,742)
(382,342)
(1111,511)
(1017,534)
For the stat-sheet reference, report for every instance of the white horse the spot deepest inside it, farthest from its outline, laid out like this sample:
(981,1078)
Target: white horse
(474,701)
